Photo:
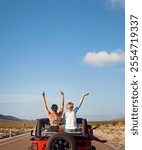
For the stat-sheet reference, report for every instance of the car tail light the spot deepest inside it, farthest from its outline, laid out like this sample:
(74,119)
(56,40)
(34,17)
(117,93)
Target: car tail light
(35,146)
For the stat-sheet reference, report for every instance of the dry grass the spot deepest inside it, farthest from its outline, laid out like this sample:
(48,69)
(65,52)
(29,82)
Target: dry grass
(17,124)
(107,123)
(15,127)
(112,131)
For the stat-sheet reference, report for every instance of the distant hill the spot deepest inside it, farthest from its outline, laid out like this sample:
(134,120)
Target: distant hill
(4,117)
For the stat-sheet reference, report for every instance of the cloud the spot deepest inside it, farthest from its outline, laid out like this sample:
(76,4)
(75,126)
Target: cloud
(116,3)
(103,58)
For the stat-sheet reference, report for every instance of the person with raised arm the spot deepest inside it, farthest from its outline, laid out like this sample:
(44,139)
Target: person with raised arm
(70,115)
(54,116)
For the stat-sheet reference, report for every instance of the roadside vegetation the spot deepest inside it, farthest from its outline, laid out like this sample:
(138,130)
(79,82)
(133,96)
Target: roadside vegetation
(10,128)
(113,131)
(17,124)
(106,123)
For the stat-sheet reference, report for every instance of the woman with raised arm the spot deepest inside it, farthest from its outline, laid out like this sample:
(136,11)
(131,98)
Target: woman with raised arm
(70,115)
(54,116)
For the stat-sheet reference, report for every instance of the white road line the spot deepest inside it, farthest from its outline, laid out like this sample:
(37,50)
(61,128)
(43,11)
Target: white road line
(13,137)
(13,140)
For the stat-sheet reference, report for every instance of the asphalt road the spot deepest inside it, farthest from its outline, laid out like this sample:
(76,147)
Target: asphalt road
(20,143)
(23,142)
(100,146)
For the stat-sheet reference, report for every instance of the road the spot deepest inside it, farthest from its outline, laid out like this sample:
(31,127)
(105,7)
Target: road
(23,142)
(20,143)
(100,146)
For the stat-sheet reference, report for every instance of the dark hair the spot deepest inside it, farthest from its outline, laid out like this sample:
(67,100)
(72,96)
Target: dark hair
(89,126)
(54,105)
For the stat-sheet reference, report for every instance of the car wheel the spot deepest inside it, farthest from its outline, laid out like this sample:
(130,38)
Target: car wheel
(61,141)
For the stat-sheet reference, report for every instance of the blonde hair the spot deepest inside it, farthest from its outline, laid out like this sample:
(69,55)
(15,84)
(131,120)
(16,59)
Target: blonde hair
(68,104)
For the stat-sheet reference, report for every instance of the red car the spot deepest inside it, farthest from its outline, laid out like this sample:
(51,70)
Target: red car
(45,139)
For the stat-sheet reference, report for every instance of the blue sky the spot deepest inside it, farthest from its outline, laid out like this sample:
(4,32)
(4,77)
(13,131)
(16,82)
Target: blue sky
(70,45)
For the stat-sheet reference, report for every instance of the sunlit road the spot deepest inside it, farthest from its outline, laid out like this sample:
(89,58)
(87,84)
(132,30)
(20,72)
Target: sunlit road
(100,146)
(20,143)
(23,142)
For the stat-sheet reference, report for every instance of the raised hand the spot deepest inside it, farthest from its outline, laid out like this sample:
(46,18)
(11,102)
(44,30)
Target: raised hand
(62,93)
(43,94)
(85,94)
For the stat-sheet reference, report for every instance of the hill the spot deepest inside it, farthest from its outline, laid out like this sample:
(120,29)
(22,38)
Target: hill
(4,117)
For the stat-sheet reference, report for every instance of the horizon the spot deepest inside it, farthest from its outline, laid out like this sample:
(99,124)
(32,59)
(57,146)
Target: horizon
(74,46)
(97,118)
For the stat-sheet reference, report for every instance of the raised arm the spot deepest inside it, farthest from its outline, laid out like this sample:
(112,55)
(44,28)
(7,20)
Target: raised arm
(62,102)
(45,104)
(81,101)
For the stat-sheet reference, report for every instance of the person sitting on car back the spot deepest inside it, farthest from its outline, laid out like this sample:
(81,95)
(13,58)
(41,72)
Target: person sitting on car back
(70,115)
(54,116)
(92,136)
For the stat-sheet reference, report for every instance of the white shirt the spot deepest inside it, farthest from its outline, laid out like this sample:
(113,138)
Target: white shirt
(70,118)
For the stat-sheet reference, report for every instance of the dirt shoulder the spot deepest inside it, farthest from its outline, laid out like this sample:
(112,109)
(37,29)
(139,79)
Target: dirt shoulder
(114,133)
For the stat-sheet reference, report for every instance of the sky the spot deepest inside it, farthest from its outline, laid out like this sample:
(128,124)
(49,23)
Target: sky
(75,46)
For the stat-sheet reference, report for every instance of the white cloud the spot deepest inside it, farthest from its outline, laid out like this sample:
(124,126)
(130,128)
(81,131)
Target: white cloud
(116,3)
(103,58)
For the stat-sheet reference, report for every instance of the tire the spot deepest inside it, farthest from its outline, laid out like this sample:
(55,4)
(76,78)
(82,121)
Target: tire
(61,141)
(84,127)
